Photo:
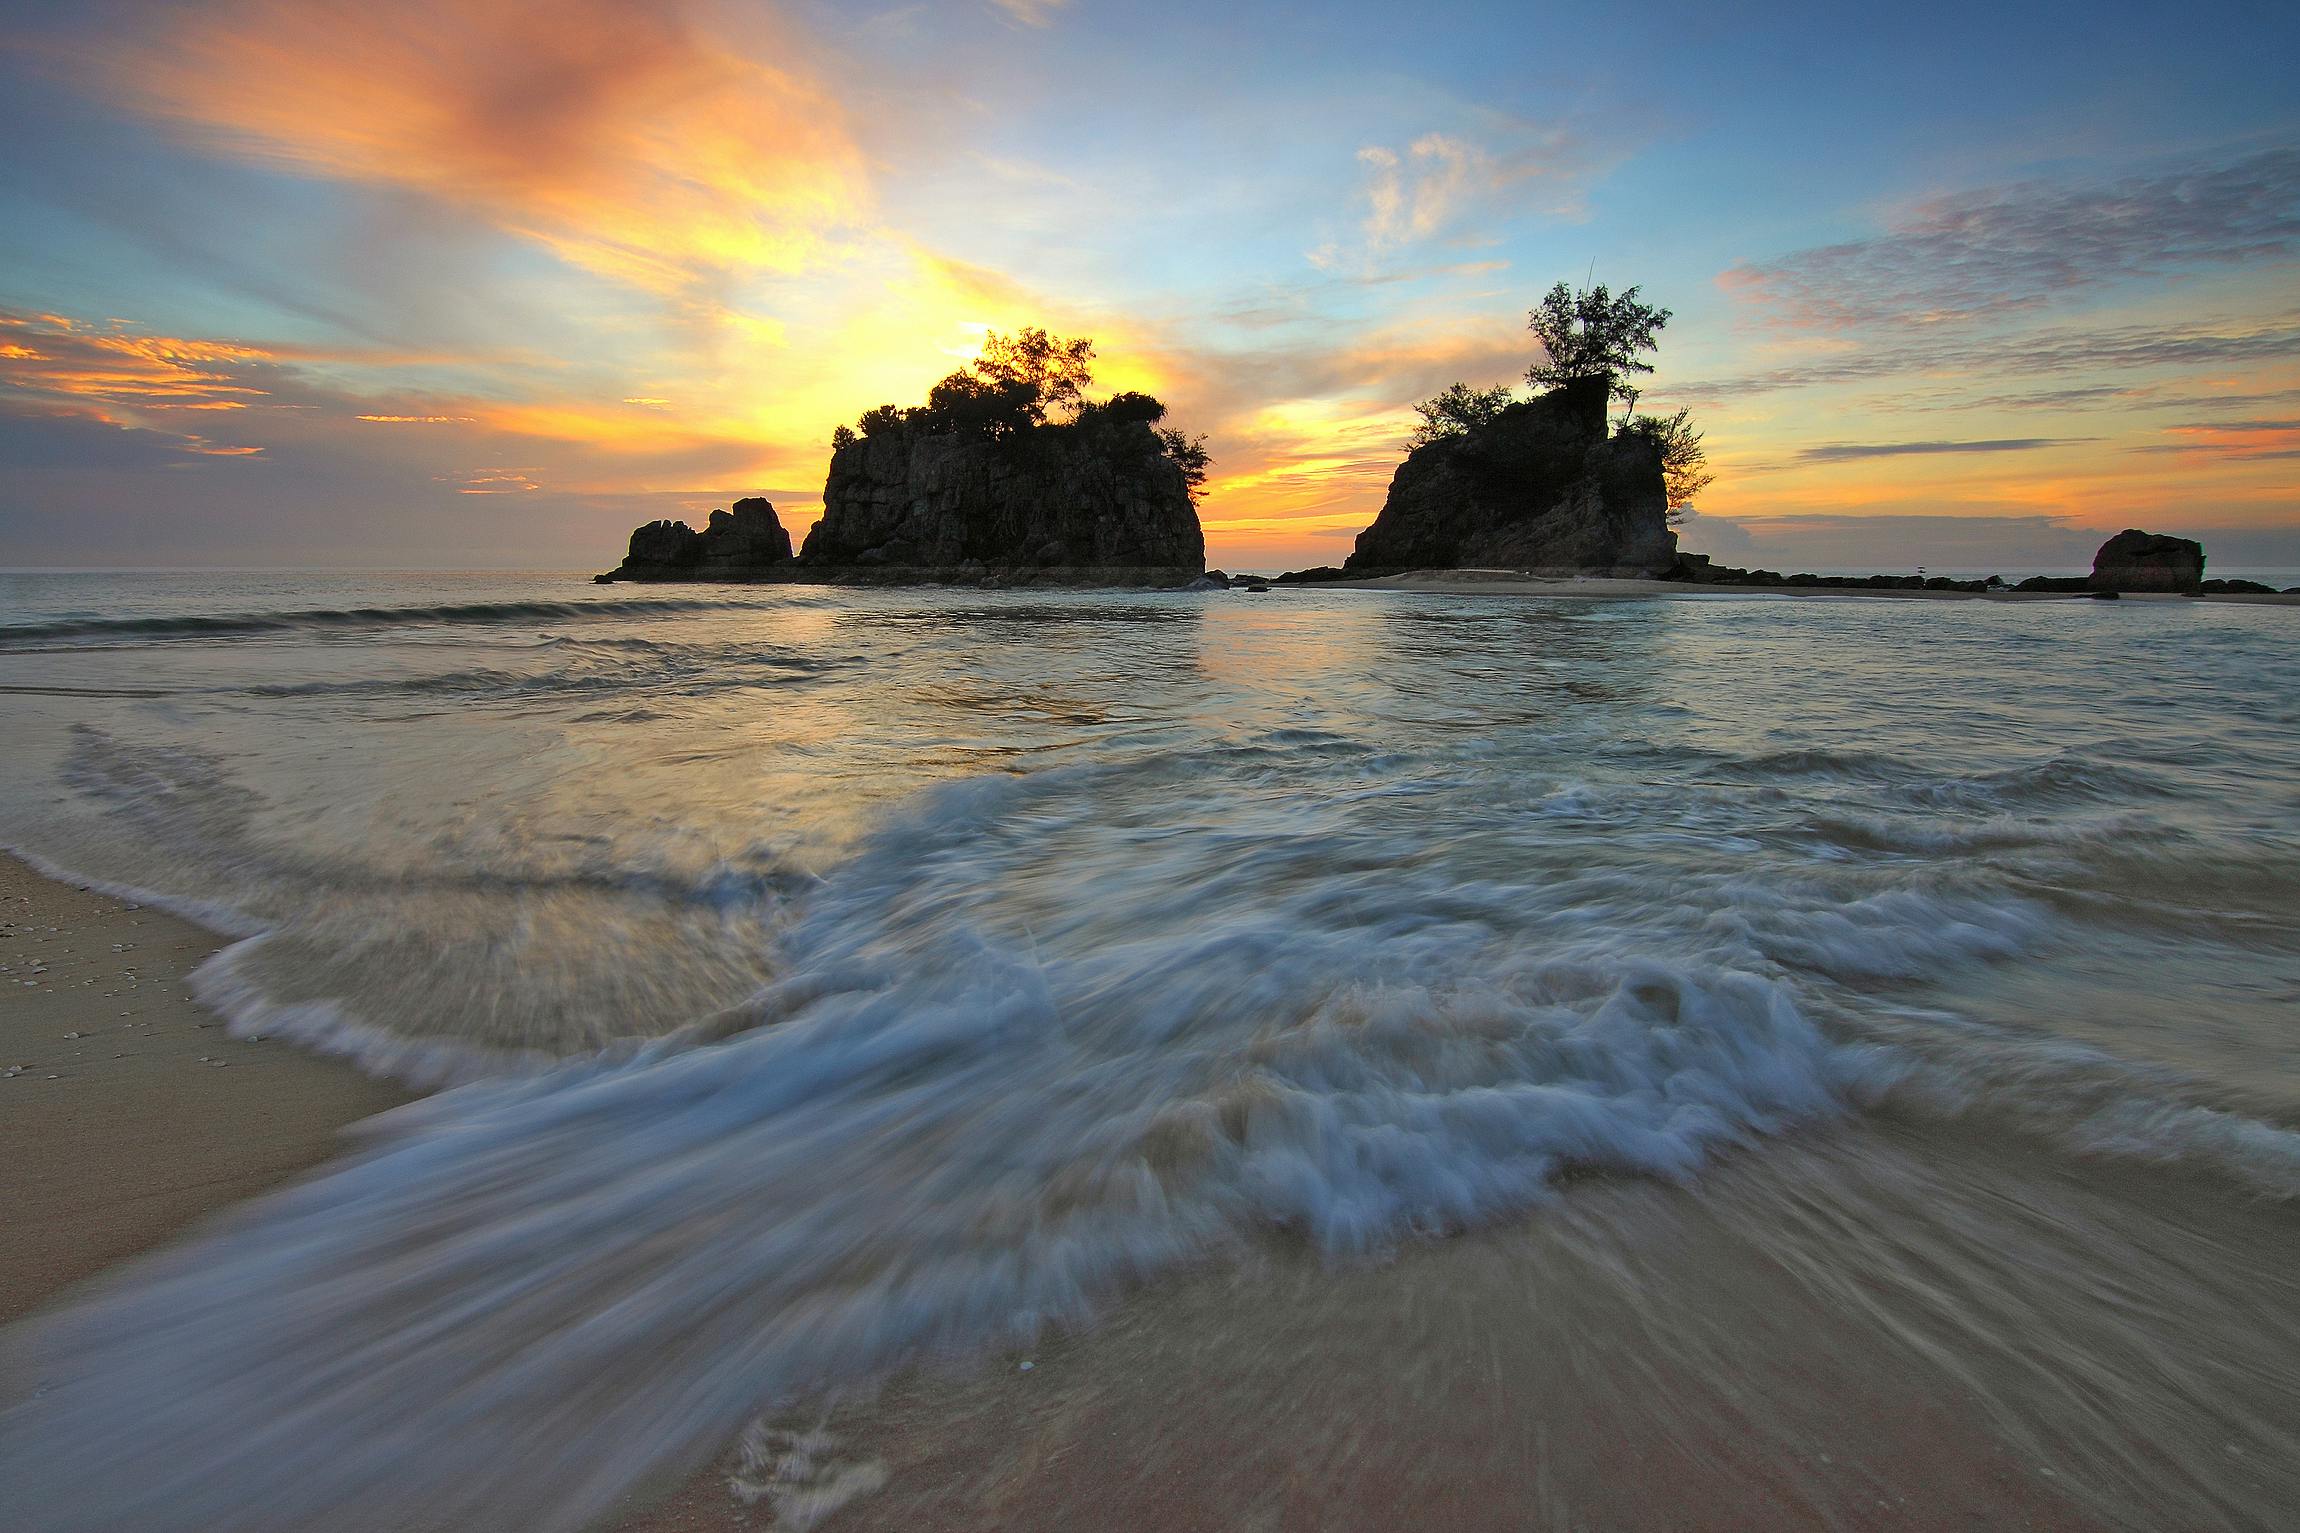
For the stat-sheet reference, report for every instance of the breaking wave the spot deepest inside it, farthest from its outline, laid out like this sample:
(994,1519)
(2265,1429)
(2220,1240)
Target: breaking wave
(240,625)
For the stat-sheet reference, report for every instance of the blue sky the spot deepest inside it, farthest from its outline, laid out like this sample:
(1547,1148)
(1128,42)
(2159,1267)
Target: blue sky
(485,283)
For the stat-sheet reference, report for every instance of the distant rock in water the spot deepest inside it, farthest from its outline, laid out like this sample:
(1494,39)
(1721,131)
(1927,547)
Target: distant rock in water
(2147,561)
(1095,502)
(748,540)
(1544,487)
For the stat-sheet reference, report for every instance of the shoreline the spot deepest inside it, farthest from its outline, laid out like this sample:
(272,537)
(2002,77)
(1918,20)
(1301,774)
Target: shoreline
(1513,583)
(132,1114)
(1435,582)
(1632,1355)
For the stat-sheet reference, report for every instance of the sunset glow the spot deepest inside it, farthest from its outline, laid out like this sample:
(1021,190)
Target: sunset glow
(272,254)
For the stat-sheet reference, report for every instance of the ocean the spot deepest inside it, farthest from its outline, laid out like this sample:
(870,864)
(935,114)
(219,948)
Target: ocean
(823,981)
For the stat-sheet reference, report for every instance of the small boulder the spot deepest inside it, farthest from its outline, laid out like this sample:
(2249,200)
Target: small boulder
(2147,561)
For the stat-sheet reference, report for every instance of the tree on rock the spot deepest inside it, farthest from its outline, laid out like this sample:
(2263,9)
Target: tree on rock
(1052,371)
(1458,410)
(1590,333)
(1029,382)
(1684,463)
(1189,455)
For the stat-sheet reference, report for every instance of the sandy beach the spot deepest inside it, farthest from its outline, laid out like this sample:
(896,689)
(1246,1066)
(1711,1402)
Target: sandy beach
(131,1113)
(1484,1381)
(1638,1356)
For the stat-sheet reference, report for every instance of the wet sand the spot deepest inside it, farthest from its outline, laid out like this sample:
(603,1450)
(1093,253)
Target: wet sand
(1820,1334)
(129,1112)
(1823,1334)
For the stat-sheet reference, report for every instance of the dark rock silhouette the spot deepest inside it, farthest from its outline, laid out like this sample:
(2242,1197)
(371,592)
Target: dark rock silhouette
(749,537)
(1092,503)
(2147,561)
(1545,487)
(749,540)
(1096,503)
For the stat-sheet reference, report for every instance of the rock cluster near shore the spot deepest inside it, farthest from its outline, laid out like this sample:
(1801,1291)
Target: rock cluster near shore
(2165,565)
(1545,487)
(748,539)
(1099,504)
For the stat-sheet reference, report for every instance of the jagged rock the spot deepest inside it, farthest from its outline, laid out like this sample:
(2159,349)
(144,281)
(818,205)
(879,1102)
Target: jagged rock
(665,546)
(1544,487)
(747,541)
(749,537)
(1075,504)
(2146,561)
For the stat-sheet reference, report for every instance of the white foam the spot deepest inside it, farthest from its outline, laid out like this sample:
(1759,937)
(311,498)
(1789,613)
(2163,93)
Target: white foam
(529,1292)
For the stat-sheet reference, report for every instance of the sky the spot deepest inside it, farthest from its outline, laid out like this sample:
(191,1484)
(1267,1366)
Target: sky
(485,283)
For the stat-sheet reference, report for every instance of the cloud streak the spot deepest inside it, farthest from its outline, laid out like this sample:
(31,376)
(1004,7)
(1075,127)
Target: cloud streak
(1976,255)
(2107,348)
(1851,452)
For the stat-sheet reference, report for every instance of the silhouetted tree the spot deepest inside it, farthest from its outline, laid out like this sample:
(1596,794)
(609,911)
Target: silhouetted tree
(1684,462)
(1130,406)
(1053,371)
(1189,452)
(1009,389)
(1589,333)
(842,437)
(1458,410)
(973,405)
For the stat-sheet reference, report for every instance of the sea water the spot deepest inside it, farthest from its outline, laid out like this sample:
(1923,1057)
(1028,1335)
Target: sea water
(822,980)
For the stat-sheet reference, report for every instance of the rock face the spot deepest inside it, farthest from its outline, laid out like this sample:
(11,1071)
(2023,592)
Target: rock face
(2146,561)
(1076,504)
(748,540)
(1544,487)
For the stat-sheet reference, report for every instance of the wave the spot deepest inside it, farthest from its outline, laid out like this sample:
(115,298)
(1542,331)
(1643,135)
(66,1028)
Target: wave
(341,619)
(528,1293)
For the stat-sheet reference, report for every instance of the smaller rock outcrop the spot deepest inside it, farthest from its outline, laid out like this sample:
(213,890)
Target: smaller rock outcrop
(2147,561)
(1545,487)
(749,540)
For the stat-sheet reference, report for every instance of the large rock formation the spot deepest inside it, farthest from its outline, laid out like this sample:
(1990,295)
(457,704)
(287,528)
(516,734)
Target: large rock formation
(749,540)
(2147,561)
(1097,503)
(1543,487)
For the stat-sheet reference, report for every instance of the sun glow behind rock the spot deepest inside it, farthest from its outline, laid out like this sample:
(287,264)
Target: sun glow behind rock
(657,254)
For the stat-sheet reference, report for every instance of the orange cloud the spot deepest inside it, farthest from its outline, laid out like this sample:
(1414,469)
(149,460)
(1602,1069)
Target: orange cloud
(122,377)
(2240,440)
(616,135)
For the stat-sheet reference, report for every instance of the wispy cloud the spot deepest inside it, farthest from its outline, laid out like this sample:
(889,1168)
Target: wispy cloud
(118,375)
(1849,452)
(622,138)
(1031,13)
(2107,348)
(2238,440)
(1441,182)
(1973,255)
